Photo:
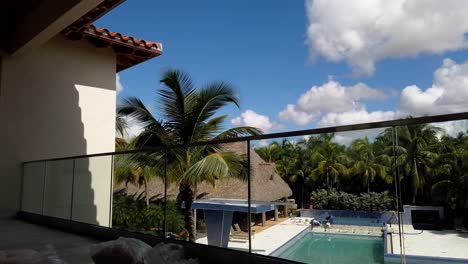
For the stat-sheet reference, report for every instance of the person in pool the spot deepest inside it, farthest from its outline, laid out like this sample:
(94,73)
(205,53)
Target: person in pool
(313,223)
(330,219)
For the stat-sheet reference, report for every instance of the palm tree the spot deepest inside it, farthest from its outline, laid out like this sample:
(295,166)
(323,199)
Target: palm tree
(137,168)
(366,165)
(331,161)
(450,169)
(187,117)
(270,153)
(415,155)
(294,166)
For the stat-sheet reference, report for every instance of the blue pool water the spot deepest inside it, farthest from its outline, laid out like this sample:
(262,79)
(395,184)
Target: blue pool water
(327,249)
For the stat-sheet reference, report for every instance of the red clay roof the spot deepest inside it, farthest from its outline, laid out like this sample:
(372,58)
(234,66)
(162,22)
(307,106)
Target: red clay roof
(129,50)
(116,37)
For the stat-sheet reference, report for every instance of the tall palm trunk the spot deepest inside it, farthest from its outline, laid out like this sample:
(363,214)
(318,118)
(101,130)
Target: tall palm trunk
(302,193)
(186,197)
(146,192)
(414,182)
(368,185)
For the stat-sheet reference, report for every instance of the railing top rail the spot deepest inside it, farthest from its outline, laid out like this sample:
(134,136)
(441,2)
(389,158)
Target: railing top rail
(306,132)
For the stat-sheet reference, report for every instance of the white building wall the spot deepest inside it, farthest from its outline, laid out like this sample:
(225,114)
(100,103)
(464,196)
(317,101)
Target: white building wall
(56,101)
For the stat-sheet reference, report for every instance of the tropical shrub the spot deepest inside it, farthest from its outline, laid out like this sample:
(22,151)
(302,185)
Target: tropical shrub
(130,212)
(338,200)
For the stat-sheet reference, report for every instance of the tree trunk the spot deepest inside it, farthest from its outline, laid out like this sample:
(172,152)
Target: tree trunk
(368,185)
(146,193)
(302,194)
(186,198)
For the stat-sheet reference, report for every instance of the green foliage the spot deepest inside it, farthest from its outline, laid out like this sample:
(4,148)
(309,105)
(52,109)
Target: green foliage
(338,200)
(188,116)
(130,212)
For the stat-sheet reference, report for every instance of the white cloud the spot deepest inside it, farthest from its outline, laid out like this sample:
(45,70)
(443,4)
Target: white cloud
(298,117)
(133,129)
(118,85)
(335,104)
(346,138)
(329,97)
(453,128)
(250,118)
(362,32)
(448,93)
(263,143)
(237,121)
(355,117)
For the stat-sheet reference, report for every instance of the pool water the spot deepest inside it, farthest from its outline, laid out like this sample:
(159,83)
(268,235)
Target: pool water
(326,248)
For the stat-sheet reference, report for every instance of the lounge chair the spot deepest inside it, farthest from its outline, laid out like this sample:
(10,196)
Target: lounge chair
(237,233)
(459,226)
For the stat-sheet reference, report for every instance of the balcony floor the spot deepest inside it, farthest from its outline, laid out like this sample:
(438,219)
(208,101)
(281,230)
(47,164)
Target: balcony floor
(17,234)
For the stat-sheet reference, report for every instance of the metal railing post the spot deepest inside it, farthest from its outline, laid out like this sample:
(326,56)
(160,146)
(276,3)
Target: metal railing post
(44,186)
(249,197)
(165,194)
(111,191)
(72,191)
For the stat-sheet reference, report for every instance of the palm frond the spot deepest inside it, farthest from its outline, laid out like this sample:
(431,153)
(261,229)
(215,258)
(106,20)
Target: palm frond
(207,101)
(176,96)
(216,166)
(135,109)
(121,125)
(239,132)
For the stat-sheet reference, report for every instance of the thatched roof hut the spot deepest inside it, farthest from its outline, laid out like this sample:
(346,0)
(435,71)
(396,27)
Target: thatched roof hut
(267,185)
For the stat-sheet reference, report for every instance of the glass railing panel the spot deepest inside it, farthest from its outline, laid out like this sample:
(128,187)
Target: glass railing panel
(138,192)
(32,193)
(92,190)
(208,185)
(274,199)
(432,167)
(58,188)
(323,198)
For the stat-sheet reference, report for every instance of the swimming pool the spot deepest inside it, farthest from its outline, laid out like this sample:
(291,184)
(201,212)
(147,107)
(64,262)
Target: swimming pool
(318,248)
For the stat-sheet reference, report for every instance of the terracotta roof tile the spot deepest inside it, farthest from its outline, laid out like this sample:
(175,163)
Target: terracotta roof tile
(129,50)
(116,37)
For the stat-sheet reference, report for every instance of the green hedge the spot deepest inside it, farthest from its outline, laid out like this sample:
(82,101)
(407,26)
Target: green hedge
(337,200)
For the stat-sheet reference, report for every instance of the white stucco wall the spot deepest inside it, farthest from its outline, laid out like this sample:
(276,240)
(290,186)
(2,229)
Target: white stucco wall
(58,100)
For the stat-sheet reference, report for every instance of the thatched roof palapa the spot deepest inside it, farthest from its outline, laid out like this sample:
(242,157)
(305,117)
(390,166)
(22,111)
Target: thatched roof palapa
(266,184)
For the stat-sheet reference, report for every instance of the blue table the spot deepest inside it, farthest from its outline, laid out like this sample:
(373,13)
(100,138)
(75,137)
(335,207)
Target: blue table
(218,216)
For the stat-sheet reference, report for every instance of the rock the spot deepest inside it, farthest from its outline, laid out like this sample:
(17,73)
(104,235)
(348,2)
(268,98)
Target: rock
(123,250)
(168,254)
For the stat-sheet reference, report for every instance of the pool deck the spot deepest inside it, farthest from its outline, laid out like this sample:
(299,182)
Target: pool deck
(428,243)
(266,241)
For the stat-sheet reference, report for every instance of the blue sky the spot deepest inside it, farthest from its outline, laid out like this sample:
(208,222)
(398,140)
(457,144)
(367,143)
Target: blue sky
(275,51)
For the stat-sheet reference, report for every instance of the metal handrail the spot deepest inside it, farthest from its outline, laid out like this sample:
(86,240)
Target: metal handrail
(306,132)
